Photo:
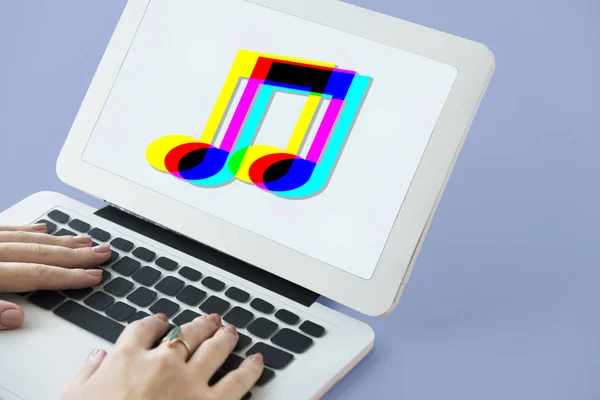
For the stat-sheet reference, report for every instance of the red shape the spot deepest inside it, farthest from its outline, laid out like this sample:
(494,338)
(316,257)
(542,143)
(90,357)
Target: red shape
(258,167)
(176,154)
(262,68)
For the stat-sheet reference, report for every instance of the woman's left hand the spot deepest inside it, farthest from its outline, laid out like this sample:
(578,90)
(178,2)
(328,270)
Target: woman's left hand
(30,259)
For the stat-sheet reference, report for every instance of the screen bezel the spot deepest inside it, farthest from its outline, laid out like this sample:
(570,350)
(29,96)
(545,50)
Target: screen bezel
(378,295)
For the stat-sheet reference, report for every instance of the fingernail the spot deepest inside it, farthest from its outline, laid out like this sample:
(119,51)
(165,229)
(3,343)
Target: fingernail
(230,329)
(11,319)
(95,354)
(39,227)
(257,358)
(216,318)
(82,239)
(103,248)
(94,272)
(161,316)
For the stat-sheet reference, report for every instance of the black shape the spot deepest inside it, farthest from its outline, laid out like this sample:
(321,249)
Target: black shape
(113,256)
(312,329)
(214,305)
(165,306)
(192,159)
(273,357)
(287,317)
(190,274)
(142,296)
(99,301)
(78,294)
(166,263)
(191,295)
(126,266)
(146,276)
(144,254)
(58,216)
(50,226)
(79,225)
(262,306)
(137,316)
(65,232)
(213,284)
(315,79)
(265,377)
(120,311)
(237,294)
(105,276)
(122,244)
(169,286)
(243,341)
(277,170)
(89,320)
(46,299)
(292,340)
(185,317)
(262,327)
(239,317)
(210,255)
(118,286)
(99,234)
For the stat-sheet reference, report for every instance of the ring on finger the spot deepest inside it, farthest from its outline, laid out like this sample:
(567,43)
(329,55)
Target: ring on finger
(175,336)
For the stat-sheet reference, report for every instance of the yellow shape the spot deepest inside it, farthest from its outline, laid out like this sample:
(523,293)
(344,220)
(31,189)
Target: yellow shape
(301,129)
(253,153)
(158,149)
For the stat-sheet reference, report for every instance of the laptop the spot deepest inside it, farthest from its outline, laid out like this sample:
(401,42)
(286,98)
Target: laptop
(253,155)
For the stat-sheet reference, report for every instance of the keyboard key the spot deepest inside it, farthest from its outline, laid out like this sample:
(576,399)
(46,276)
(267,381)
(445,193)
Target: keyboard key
(78,294)
(265,377)
(262,327)
(233,362)
(58,216)
(238,317)
(213,284)
(50,226)
(166,263)
(166,307)
(190,274)
(243,341)
(146,276)
(122,244)
(292,340)
(99,234)
(287,317)
(169,286)
(113,257)
(216,378)
(89,320)
(79,225)
(105,276)
(274,357)
(118,286)
(312,329)
(46,299)
(126,266)
(65,232)
(185,317)
(144,254)
(137,316)
(237,294)
(262,306)
(214,305)
(99,301)
(191,295)
(120,311)
(142,296)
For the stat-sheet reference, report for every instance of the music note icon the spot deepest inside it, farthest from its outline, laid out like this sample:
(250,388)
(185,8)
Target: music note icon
(282,172)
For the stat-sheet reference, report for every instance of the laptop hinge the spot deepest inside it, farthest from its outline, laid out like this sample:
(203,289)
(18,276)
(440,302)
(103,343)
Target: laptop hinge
(208,254)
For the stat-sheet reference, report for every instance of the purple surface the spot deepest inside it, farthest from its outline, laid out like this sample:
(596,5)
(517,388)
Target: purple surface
(503,302)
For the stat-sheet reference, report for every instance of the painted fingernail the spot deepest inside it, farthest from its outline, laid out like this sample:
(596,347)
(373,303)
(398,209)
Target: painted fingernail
(11,319)
(82,239)
(39,227)
(94,272)
(103,248)
(257,358)
(95,354)
(230,329)
(161,316)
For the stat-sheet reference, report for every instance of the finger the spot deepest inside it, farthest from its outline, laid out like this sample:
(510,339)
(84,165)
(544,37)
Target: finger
(73,242)
(20,277)
(54,255)
(194,333)
(144,332)
(91,365)
(239,381)
(213,352)
(11,316)
(25,228)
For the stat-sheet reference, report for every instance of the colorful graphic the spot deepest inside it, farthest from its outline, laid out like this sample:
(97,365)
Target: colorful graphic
(282,172)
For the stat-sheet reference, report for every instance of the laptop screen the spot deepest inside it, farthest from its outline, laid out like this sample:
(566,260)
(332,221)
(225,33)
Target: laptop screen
(300,133)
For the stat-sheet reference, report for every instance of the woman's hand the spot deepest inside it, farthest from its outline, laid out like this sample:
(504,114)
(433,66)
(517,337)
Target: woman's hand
(31,260)
(135,371)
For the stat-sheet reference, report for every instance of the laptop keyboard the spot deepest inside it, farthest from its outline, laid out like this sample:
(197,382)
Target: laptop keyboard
(138,281)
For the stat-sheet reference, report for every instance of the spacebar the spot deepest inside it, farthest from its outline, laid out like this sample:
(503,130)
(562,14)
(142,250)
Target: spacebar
(90,320)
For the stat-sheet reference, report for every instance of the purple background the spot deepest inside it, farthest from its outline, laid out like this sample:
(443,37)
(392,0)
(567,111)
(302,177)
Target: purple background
(503,302)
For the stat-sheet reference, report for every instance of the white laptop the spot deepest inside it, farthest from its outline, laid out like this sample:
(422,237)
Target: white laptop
(256,154)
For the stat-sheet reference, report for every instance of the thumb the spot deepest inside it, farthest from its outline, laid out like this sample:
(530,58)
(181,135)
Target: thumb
(92,363)
(11,316)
